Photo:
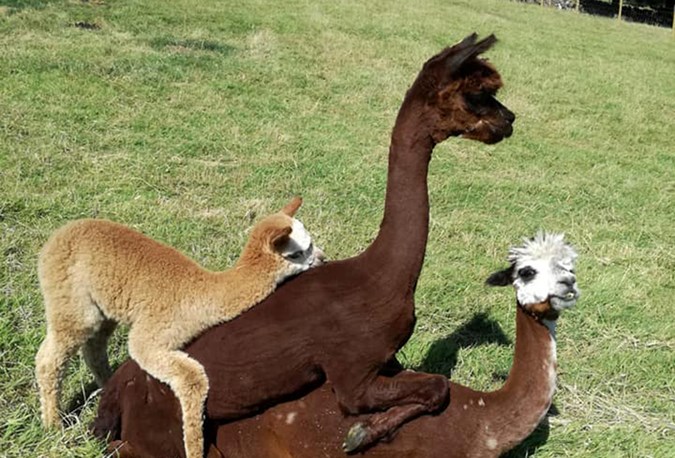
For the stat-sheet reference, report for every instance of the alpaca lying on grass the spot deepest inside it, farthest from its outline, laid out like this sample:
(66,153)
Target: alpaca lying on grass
(96,273)
(475,424)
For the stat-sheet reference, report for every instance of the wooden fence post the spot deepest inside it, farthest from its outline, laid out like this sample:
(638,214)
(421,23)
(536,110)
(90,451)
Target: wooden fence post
(620,8)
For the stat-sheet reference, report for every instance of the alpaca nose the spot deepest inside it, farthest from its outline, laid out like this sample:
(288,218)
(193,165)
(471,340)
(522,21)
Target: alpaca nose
(508,115)
(569,282)
(504,112)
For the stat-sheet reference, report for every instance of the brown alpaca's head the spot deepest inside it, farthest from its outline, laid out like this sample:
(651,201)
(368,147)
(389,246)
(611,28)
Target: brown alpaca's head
(280,243)
(459,89)
(542,273)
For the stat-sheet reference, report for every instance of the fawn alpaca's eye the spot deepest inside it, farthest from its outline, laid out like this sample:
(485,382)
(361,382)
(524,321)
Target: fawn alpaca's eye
(296,255)
(527,273)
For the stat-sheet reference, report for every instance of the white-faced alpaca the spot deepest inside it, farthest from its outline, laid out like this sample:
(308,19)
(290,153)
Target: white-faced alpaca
(486,425)
(96,273)
(542,273)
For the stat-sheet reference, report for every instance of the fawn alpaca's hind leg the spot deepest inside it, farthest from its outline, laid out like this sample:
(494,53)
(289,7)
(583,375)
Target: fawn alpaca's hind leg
(95,352)
(71,321)
(187,379)
(50,361)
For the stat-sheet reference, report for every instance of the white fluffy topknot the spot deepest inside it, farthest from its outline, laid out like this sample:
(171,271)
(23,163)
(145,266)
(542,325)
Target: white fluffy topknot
(544,245)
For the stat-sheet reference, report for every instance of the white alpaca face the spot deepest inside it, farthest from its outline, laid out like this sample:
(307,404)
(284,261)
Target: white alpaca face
(543,269)
(539,280)
(299,252)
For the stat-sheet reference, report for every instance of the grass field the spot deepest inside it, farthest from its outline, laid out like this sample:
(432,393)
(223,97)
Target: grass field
(187,120)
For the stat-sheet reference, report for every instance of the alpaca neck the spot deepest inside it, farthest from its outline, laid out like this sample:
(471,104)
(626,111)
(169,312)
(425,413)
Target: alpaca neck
(511,413)
(398,250)
(533,373)
(242,287)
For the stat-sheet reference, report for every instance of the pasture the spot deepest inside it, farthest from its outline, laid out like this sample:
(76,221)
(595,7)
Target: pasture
(189,120)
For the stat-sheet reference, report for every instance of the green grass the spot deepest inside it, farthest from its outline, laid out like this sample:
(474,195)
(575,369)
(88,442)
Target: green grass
(188,119)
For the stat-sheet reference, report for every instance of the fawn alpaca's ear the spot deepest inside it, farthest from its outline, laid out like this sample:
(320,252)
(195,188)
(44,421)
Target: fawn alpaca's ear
(292,206)
(501,278)
(279,236)
(468,49)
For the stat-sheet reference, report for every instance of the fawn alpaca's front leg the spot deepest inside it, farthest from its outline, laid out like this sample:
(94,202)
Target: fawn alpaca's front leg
(187,379)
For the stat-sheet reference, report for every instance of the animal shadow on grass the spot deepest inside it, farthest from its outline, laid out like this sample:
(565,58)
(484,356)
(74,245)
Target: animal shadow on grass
(480,329)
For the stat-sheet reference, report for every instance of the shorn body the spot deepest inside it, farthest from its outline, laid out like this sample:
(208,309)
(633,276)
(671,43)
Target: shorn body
(475,424)
(345,321)
(97,273)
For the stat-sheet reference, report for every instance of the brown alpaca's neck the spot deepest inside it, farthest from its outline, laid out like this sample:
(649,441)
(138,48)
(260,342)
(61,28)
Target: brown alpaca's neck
(398,250)
(527,394)
(501,419)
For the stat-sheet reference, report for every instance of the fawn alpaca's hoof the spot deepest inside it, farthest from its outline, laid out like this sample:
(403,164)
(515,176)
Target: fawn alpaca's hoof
(355,438)
(52,422)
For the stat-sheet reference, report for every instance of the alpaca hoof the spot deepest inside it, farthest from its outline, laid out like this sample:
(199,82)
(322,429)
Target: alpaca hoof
(355,438)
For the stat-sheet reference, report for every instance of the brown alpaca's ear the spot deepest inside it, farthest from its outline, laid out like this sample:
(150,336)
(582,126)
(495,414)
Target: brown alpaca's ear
(501,278)
(279,236)
(468,49)
(292,206)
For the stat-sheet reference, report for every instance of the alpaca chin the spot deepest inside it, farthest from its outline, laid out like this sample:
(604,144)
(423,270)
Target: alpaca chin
(488,133)
(561,303)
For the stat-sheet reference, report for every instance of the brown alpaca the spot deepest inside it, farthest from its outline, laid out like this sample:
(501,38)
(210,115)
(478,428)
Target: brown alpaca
(344,321)
(96,273)
(474,425)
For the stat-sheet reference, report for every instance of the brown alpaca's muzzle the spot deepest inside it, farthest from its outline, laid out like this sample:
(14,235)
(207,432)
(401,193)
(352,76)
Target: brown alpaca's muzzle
(501,126)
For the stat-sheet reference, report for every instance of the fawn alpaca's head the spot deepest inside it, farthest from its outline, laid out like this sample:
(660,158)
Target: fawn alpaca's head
(458,89)
(542,273)
(280,243)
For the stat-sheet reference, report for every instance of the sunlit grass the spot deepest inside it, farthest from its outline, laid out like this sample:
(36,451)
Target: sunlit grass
(186,120)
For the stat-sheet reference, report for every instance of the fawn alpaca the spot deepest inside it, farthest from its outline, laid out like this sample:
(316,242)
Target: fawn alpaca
(474,425)
(344,321)
(96,273)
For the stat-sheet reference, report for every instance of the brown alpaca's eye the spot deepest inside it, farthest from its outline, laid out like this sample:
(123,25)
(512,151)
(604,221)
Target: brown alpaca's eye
(527,273)
(480,102)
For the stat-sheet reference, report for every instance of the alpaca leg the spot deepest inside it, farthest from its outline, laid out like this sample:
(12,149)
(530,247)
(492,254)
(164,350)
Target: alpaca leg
(95,352)
(405,395)
(50,361)
(71,321)
(187,379)
(380,425)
